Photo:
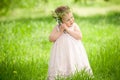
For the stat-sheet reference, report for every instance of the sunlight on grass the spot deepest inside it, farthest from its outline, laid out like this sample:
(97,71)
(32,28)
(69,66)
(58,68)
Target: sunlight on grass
(36,9)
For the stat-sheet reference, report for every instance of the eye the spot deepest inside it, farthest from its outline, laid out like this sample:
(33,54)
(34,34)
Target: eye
(68,19)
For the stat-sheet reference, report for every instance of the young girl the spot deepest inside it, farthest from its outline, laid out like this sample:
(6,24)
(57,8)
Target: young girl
(67,54)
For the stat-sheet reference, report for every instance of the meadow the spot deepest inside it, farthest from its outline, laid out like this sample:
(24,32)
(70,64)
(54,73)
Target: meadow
(25,48)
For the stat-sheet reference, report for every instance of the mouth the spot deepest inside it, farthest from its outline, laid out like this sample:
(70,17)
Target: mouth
(71,24)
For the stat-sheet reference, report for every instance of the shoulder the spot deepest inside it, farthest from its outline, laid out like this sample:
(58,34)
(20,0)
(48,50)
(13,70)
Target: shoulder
(76,26)
(56,28)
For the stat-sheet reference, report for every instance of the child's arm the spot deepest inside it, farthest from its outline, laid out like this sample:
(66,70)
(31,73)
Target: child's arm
(76,33)
(55,34)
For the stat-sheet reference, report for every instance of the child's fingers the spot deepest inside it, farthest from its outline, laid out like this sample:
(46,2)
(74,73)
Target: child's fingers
(63,25)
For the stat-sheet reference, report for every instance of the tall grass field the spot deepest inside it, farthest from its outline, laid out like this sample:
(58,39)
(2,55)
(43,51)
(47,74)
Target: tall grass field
(25,48)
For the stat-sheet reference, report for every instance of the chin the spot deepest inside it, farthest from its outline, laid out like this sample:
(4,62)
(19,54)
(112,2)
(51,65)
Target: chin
(70,25)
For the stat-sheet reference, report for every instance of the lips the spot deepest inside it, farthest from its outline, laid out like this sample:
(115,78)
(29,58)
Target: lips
(71,24)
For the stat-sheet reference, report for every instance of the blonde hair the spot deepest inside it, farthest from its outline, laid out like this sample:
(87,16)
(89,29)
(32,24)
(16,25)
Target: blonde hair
(60,12)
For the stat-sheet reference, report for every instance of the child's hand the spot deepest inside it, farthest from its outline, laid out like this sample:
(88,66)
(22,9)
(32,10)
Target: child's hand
(63,27)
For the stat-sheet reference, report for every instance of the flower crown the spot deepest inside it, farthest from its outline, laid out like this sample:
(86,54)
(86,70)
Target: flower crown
(58,15)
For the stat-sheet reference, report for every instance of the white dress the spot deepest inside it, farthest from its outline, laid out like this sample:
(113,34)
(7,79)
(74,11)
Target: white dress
(67,56)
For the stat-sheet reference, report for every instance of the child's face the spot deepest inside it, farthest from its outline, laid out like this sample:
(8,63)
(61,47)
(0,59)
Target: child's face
(68,19)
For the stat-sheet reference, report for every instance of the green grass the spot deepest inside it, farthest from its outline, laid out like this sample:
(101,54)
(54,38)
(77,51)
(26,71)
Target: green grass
(25,48)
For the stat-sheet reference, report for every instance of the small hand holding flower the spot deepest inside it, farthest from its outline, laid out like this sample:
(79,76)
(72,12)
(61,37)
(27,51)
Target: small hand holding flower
(63,27)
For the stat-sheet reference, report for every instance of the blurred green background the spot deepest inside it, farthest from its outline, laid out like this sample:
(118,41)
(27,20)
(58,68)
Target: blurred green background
(25,26)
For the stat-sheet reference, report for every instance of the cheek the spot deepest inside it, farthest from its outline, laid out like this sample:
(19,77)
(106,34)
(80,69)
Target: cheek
(73,19)
(68,24)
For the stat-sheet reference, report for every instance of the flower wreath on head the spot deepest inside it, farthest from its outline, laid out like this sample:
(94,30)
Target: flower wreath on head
(58,15)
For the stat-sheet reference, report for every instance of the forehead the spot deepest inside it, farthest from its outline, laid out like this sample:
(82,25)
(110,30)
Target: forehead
(67,15)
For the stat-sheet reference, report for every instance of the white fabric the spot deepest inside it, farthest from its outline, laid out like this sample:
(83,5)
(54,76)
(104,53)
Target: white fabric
(67,56)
